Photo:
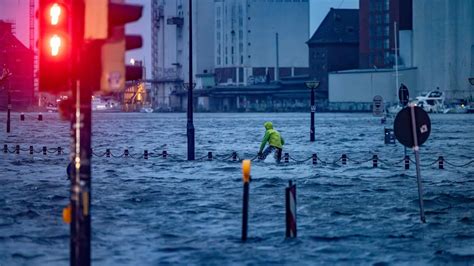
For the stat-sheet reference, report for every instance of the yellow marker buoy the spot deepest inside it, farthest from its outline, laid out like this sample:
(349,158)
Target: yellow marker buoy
(246,165)
(67,214)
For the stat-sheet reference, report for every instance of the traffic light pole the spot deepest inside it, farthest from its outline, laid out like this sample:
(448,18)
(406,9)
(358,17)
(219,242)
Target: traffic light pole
(81,181)
(190,125)
(313,110)
(9,110)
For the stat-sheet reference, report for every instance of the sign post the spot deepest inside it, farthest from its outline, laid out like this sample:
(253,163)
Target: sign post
(312,85)
(378,106)
(412,128)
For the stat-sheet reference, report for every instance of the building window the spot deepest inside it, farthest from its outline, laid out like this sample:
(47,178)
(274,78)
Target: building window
(386,44)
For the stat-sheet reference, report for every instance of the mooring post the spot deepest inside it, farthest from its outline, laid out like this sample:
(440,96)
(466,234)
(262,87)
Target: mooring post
(107,153)
(234,156)
(22,117)
(145,155)
(40,117)
(31,150)
(209,156)
(344,158)
(407,162)
(290,203)
(125,153)
(164,154)
(286,157)
(5,148)
(17,149)
(375,161)
(44,150)
(441,162)
(59,150)
(246,164)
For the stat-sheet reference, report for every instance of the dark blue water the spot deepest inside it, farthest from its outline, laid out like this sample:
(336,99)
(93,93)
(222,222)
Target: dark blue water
(156,211)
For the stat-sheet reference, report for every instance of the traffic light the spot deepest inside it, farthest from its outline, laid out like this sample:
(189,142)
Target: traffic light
(106,21)
(114,70)
(54,45)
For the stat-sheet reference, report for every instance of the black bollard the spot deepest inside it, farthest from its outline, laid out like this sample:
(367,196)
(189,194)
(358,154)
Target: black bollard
(234,156)
(286,157)
(246,164)
(31,150)
(107,153)
(290,203)
(59,150)
(17,149)
(5,148)
(375,158)
(344,158)
(441,162)
(40,117)
(407,162)
(22,117)
(315,158)
(44,150)
(164,154)
(209,156)
(125,153)
(145,155)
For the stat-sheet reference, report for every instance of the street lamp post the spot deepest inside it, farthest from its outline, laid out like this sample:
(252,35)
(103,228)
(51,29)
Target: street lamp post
(312,85)
(3,77)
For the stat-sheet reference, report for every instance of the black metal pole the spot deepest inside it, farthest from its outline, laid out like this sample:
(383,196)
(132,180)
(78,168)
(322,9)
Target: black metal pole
(313,110)
(190,125)
(9,110)
(81,181)
(245,211)
(417,159)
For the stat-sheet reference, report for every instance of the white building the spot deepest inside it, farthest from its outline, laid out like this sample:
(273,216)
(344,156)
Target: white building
(246,40)
(170,52)
(443,45)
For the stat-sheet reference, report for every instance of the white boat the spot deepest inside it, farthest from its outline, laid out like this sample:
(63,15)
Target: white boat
(101,105)
(146,110)
(432,102)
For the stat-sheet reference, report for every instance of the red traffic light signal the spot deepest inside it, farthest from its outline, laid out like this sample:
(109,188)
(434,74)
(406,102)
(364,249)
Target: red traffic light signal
(54,45)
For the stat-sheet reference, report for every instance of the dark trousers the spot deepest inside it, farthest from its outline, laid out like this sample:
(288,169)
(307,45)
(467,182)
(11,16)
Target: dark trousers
(269,150)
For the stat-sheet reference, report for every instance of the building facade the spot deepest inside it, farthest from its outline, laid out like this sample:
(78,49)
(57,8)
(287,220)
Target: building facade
(18,59)
(170,52)
(334,46)
(377,39)
(254,38)
(443,46)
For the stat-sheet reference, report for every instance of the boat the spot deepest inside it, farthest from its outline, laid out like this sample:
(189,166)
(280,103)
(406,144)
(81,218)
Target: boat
(102,105)
(432,102)
(146,110)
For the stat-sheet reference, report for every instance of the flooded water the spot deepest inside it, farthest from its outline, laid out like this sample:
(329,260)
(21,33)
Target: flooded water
(171,211)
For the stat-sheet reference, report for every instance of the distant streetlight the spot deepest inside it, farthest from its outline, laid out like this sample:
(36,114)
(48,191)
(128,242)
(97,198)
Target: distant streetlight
(132,61)
(312,85)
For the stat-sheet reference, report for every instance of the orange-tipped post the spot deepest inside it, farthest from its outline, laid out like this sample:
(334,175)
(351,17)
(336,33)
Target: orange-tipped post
(245,208)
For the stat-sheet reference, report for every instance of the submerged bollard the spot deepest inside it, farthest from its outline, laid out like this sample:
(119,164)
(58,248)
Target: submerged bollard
(5,148)
(234,156)
(286,157)
(59,150)
(209,156)
(125,153)
(17,149)
(246,164)
(145,155)
(374,161)
(107,152)
(31,150)
(344,158)
(290,203)
(315,158)
(44,150)
(441,162)
(22,117)
(40,117)
(407,162)
(164,154)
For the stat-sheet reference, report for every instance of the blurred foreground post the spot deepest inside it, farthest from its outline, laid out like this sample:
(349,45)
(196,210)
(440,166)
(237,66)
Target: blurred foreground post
(245,208)
(190,125)
(290,207)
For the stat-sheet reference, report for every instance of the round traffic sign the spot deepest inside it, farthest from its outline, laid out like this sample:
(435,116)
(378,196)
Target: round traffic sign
(402,126)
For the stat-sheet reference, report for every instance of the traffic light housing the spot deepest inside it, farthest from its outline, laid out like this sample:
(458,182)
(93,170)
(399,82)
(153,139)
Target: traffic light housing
(54,45)
(113,70)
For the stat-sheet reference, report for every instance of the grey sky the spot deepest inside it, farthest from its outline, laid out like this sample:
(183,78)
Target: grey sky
(17,10)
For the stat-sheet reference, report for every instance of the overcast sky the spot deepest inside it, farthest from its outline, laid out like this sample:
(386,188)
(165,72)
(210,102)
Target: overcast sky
(17,11)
